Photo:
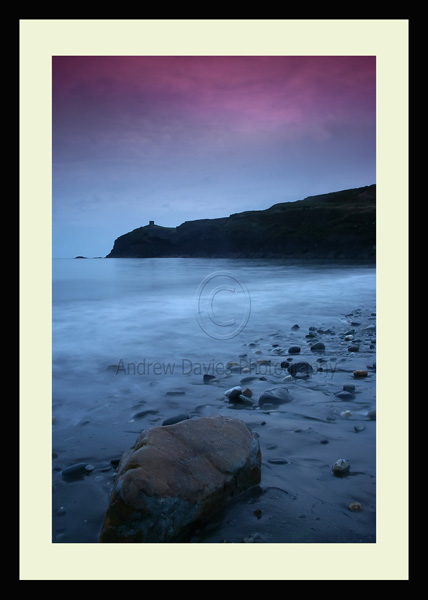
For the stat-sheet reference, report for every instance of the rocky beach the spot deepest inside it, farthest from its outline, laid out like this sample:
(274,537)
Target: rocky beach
(306,391)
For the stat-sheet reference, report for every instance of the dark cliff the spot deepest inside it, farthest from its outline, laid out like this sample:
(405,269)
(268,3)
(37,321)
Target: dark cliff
(336,225)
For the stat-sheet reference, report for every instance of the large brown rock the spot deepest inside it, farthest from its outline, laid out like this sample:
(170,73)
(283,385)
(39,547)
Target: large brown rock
(178,475)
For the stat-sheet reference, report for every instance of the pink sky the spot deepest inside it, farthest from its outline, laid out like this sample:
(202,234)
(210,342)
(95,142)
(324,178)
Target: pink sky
(178,138)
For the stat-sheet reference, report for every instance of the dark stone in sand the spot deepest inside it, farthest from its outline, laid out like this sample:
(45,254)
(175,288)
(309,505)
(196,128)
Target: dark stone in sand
(278,461)
(176,476)
(370,329)
(237,396)
(359,428)
(360,374)
(208,378)
(244,400)
(300,367)
(248,379)
(143,413)
(354,348)
(76,471)
(233,393)
(349,387)
(175,419)
(294,350)
(274,396)
(295,327)
(345,395)
(318,346)
(341,467)
(285,364)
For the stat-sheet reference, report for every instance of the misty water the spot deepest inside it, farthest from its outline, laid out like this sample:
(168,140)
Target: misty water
(132,339)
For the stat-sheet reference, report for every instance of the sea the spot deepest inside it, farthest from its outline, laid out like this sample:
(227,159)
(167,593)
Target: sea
(132,340)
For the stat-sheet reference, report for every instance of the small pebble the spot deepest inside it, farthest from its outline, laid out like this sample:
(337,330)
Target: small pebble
(348,387)
(360,374)
(232,363)
(248,379)
(143,413)
(74,471)
(241,399)
(233,392)
(346,414)
(175,419)
(355,506)
(318,346)
(359,428)
(345,395)
(303,368)
(341,466)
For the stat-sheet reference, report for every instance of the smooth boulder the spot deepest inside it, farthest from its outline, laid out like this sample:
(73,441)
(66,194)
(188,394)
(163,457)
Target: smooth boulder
(178,475)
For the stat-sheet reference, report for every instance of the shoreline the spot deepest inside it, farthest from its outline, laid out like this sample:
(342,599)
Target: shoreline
(299,499)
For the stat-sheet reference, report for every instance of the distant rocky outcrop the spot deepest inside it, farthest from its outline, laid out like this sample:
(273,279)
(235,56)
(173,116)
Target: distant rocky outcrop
(177,475)
(336,225)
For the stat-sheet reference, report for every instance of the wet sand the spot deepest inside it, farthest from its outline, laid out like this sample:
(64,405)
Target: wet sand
(299,499)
